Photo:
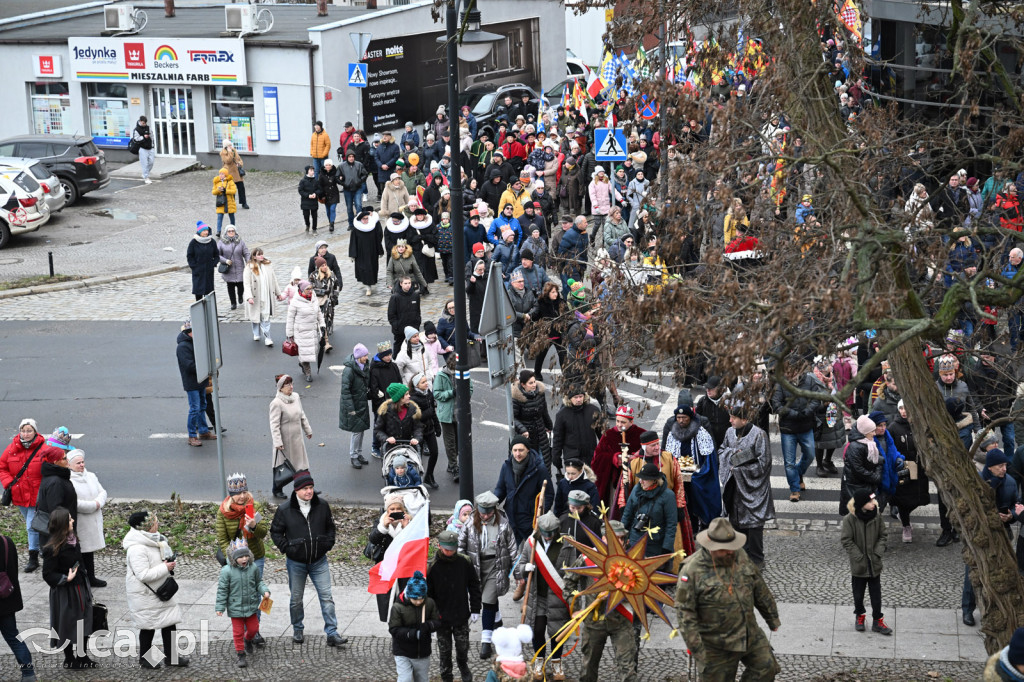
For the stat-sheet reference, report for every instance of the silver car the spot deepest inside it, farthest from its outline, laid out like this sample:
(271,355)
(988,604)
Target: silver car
(54,195)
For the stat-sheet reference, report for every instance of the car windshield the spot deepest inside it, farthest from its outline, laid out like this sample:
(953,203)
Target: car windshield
(478,102)
(555,93)
(25,182)
(39,171)
(89,149)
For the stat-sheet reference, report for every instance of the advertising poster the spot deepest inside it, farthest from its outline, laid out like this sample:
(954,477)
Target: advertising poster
(132,59)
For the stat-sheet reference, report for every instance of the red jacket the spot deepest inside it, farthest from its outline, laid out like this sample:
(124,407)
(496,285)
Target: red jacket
(25,493)
(606,464)
(1008,210)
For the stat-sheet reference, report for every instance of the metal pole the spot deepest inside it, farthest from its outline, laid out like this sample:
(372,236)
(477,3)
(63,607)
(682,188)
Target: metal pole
(662,108)
(217,431)
(463,412)
(49,256)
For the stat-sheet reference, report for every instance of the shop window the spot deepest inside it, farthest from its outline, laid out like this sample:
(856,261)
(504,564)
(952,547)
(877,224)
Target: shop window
(51,108)
(233,111)
(109,121)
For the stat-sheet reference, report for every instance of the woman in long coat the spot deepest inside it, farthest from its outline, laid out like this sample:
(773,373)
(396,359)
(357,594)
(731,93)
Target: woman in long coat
(744,471)
(365,247)
(70,596)
(202,257)
(91,499)
(230,159)
(261,290)
(913,493)
(424,233)
(224,186)
(288,424)
(305,321)
(235,253)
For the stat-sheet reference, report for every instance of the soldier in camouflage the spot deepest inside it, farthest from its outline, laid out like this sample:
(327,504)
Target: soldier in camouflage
(455,587)
(719,586)
(595,632)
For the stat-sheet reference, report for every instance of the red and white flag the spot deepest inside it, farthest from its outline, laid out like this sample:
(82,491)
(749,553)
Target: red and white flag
(406,554)
(594,85)
(547,570)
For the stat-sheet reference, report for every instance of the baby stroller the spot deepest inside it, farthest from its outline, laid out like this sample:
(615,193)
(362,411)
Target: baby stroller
(414,497)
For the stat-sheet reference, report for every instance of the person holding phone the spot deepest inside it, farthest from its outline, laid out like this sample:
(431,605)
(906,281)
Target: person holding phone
(394,518)
(241,516)
(70,596)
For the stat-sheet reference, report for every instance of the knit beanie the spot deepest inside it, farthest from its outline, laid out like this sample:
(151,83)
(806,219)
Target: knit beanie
(359,351)
(411,332)
(319,261)
(400,461)
(141,520)
(396,390)
(416,588)
(577,290)
(995,457)
(1015,649)
(75,454)
(282,380)
(519,440)
(301,479)
(862,497)
(200,226)
(31,422)
(865,426)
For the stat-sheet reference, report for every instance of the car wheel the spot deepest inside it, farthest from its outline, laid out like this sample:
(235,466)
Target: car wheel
(5,234)
(70,191)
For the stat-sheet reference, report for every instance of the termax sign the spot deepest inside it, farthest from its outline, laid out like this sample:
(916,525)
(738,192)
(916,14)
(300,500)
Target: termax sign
(157,60)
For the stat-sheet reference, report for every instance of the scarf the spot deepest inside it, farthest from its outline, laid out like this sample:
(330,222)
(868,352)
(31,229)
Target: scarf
(203,240)
(26,444)
(685,435)
(286,399)
(264,276)
(165,549)
(866,516)
(873,454)
(233,511)
(415,348)
(231,240)
(519,468)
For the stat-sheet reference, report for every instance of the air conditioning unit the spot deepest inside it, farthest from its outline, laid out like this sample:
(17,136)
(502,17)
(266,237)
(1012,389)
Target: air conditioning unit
(118,17)
(240,18)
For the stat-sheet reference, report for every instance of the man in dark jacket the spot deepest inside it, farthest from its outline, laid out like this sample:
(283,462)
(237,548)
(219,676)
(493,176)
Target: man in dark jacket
(455,587)
(195,390)
(576,430)
(383,373)
(404,309)
(713,410)
(353,177)
(524,304)
(492,189)
(519,482)
(303,530)
(572,252)
(950,204)
(796,424)
(995,391)
(387,153)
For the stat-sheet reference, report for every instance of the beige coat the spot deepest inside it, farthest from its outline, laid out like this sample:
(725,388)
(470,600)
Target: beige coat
(230,159)
(288,425)
(305,320)
(251,285)
(393,200)
(89,527)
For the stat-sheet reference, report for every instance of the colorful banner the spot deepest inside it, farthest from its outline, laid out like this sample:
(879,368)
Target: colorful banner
(131,59)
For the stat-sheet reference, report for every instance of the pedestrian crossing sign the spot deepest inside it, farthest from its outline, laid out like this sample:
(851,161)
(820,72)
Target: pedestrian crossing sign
(357,75)
(610,144)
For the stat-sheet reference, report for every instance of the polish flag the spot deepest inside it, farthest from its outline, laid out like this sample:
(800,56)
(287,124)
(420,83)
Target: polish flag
(594,85)
(406,554)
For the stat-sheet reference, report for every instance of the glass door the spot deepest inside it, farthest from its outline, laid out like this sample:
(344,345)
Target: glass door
(172,119)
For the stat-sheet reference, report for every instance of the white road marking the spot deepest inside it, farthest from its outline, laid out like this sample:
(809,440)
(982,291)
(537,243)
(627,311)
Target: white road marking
(76,436)
(497,425)
(168,435)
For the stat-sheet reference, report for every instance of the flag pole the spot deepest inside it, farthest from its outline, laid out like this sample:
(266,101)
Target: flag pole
(538,507)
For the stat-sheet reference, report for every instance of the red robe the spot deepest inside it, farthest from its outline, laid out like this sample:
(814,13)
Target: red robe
(606,464)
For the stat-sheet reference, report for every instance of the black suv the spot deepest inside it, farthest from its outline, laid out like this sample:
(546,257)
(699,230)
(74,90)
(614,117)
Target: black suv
(487,103)
(74,159)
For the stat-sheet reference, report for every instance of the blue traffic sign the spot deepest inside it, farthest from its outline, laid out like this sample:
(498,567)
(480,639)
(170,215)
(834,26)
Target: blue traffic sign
(357,75)
(610,144)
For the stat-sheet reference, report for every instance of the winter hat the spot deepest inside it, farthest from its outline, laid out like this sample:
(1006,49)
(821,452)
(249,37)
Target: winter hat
(648,437)
(75,454)
(526,254)
(411,332)
(282,380)
(319,261)
(486,500)
(617,527)
(506,231)
(649,473)
(1015,649)
(31,422)
(401,163)
(200,226)
(862,497)
(238,548)
(434,165)
(508,649)
(400,461)
(419,376)
(141,520)
(865,426)
(972,181)
(519,440)
(624,411)
(899,404)
(302,479)
(359,351)
(477,246)
(579,498)
(429,328)
(548,522)
(237,484)
(384,348)
(685,409)
(946,363)
(878,417)
(395,391)
(995,457)
(416,588)
(296,273)
(440,109)
(60,438)
(448,540)
(571,160)
(577,290)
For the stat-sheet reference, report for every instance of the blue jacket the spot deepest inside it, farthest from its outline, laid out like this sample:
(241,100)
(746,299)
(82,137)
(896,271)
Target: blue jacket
(508,256)
(473,236)
(387,154)
(413,137)
(471,122)
(1006,492)
(534,278)
(893,463)
(519,498)
(494,233)
(574,245)
(410,480)
(660,506)
(801,213)
(446,330)
(565,487)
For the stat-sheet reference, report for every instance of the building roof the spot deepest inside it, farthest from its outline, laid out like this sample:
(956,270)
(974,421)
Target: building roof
(291,24)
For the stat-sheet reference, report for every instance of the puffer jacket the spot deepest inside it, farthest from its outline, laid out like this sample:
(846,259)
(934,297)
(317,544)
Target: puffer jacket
(57,490)
(614,233)
(404,309)
(382,375)
(523,303)
(505,551)
(320,145)
(240,589)
(305,320)
(858,472)
(353,412)
(519,497)
(412,362)
(389,425)
(411,626)
(147,571)
(228,529)
(307,186)
(329,180)
(530,412)
(305,539)
(864,543)
(236,253)
(404,265)
(25,493)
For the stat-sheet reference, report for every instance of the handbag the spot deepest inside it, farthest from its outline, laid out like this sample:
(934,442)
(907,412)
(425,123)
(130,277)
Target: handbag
(99,617)
(241,172)
(374,552)
(283,473)
(222,200)
(8,495)
(41,522)
(168,589)
(6,586)
(428,251)
(223,267)
(134,146)
(289,347)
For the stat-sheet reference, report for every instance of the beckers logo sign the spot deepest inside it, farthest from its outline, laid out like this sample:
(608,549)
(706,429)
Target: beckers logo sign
(134,56)
(165,57)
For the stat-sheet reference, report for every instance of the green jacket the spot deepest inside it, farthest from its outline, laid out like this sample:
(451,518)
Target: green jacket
(864,542)
(444,394)
(411,182)
(710,617)
(240,590)
(226,530)
(354,411)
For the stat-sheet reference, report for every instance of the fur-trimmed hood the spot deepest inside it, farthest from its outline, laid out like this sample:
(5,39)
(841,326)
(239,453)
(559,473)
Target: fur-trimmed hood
(520,397)
(401,256)
(387,405)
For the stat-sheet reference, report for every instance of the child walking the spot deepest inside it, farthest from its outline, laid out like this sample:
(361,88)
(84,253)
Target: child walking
(414,617)
(239,592)
(863,537)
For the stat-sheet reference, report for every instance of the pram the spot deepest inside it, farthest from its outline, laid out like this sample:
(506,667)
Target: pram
(414,497)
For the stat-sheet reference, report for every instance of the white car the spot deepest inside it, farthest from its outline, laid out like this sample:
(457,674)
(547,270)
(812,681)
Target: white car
(22,208)
(53,190)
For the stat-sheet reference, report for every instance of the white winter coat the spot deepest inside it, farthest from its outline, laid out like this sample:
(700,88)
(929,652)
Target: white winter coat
(146,567)
(89,528)
(263,293)
(304,322)
(419,361)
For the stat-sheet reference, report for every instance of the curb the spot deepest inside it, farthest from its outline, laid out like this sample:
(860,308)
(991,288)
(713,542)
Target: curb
(110,279)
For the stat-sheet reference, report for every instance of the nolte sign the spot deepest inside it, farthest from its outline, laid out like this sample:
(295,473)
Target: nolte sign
(157,60)
(47,66)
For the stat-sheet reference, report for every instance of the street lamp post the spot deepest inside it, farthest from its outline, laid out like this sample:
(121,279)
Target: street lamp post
(476,45)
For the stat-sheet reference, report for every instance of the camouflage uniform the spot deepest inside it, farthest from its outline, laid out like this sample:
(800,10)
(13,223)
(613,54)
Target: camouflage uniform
(445,635)
(719,627)
(596,632)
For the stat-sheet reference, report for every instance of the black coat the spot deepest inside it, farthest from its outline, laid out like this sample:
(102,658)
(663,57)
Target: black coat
(519,496)
(911,494)
(389,425)
(382,375)
(404,310)
(716,418)
(475,295)
(13,603)
(858,472)
(301,538)
(57,490)
(428,411)
(186,355)
(455,587)
(332,263)
(530,412)
(56,567)
(576,432)
(329,185)
(523,303)
(203,259)
(796,415)
(307,186)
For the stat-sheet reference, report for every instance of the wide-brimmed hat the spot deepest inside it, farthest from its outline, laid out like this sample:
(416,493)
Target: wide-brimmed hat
(721,535)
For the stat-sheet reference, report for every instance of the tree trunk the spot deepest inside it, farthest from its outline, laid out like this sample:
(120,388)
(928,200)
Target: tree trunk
(987,548)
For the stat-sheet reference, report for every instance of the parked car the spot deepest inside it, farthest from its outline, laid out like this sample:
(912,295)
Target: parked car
(75,159)
(574,66)
(22,209)
(554,93)
(53,191)
(486,102)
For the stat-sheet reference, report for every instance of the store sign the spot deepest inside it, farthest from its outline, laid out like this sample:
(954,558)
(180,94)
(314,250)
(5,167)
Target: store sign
(157,60)
(48,66)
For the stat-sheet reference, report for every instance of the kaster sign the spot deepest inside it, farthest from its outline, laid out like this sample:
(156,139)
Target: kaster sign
(157,60)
